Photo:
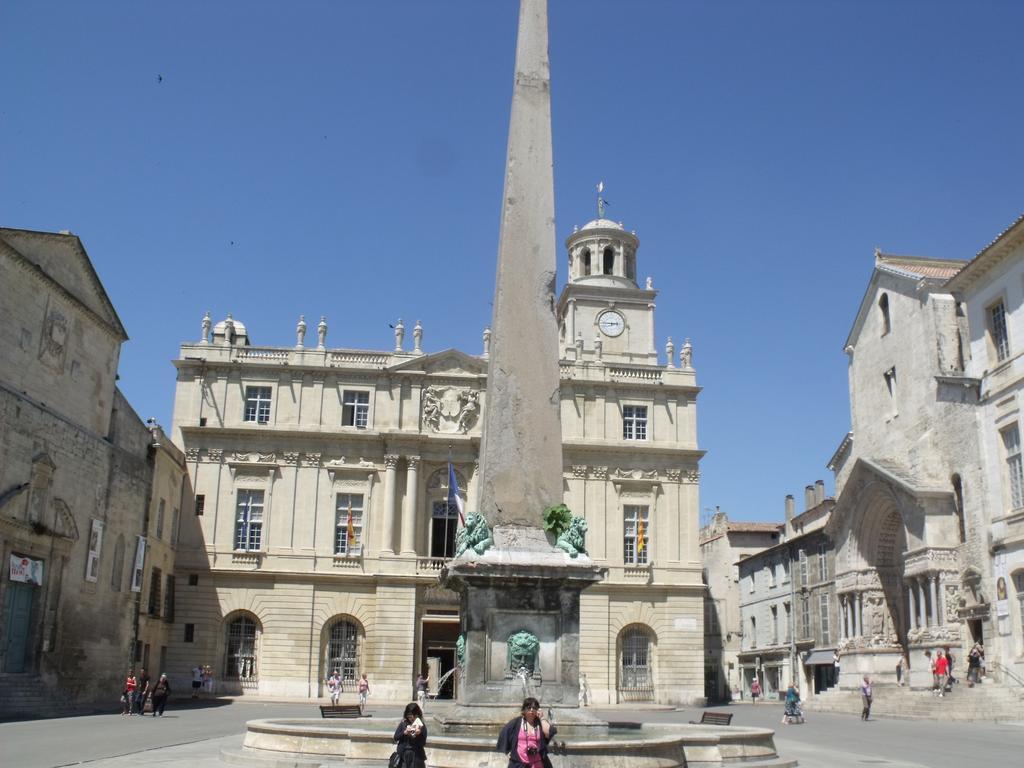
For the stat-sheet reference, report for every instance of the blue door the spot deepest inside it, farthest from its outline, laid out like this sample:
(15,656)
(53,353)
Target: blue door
(17,625)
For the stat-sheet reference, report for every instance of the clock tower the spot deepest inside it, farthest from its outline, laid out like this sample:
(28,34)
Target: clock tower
(603,315)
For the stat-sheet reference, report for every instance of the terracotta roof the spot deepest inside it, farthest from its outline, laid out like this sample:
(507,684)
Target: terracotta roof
(919,266)
(988,256)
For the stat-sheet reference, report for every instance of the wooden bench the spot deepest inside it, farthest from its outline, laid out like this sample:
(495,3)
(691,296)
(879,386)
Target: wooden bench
(340,710)
(714,718)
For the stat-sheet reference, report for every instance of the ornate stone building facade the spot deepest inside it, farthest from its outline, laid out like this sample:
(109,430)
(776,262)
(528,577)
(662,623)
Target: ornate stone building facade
(909,511)
(322,516)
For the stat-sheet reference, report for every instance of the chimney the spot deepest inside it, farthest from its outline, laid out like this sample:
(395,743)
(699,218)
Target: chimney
(808,497)
(789,514)
(819,491)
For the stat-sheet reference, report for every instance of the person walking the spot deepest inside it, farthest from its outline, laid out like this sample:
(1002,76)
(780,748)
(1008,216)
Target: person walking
(411,737)
(524,739)
(899,672)
(755,690)
(128,693)
(364,691)
(142,691)
(197,680)
(421,690)
(973,666)
(334,687)
(866,698)
(161,691)
(208,678)
(941,672)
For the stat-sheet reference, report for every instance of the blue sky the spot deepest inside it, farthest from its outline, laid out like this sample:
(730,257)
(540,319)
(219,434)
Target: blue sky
(346,159)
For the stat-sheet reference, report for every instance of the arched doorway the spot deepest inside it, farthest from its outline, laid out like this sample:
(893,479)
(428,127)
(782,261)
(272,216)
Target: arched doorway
(343,638)
(636,664)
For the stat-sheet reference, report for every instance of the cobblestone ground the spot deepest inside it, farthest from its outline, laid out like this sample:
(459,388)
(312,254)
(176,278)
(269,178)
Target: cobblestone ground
(192,735)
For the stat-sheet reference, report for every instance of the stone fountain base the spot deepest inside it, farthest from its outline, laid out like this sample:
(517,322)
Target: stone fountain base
(304,743)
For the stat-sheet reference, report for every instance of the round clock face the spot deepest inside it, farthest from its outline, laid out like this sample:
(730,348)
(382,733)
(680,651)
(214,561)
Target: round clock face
(611,323)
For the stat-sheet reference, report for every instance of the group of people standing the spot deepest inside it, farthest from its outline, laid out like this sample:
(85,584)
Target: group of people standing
(137,689)
(334,686)
(524,739)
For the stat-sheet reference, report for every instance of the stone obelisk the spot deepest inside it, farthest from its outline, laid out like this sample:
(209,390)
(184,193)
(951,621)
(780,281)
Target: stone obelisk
(521,451)
(520,595)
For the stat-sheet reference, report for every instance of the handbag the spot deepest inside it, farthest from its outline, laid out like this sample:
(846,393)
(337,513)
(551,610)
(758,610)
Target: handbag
(396,760)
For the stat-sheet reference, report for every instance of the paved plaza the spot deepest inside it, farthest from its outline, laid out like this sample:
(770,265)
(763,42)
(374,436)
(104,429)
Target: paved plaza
(192,735)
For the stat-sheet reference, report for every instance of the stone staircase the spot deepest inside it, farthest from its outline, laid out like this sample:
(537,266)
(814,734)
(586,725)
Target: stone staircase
(25,697)
(989,702)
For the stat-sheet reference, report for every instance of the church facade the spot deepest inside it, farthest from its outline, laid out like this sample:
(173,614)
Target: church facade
(321,514)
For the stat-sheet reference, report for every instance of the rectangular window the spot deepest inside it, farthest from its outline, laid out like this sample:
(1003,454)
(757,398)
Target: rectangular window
(788,620)
(637,534)
(249,520)
(348,524)
(634,422)
(140,562)
(772,576)
(785,571)
(805,617)
(823,601)
(752,581)
(444,522)
(174,527)
(160,510)
(193,579)
(775,625)
(154,592)
(1018,584)
(169,599)
(803,568)
(92,562)
(822,563)
(257,404)
(200,504)
(1014,466)
(356,409)
(753,632)
(190,633)
(997,329)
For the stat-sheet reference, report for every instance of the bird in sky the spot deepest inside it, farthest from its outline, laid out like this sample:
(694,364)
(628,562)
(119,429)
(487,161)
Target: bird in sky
(159,78)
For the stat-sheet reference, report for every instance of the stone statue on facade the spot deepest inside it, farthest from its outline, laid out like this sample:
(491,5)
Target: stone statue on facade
(670,353)
(300,332)
(399,335)
(229,330)
(450,410)
(686,355)
(487,342)
(207,324)
(417,339)
(460,651)
(321,333)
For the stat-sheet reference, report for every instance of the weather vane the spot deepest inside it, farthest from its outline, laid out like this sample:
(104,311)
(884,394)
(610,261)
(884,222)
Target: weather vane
(601,202)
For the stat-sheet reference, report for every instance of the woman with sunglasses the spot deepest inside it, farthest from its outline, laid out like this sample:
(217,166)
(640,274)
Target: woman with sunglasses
(525,738)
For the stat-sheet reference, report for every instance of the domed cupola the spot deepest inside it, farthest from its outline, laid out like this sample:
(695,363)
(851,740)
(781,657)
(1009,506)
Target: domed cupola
(602,252)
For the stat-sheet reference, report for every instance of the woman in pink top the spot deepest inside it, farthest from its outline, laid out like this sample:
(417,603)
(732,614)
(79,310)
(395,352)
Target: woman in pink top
(128,694)
(941,671)
(525,739)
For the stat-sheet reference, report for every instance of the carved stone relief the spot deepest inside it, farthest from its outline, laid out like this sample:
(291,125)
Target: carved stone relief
(54,339)
(450,410)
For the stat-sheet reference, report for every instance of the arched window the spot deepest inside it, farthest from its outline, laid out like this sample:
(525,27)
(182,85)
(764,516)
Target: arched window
(586,261)
(117,569)
(343,650)
(1018,586)
(958,503)
(883,307)
(609,261)
(241,649)
(635,678)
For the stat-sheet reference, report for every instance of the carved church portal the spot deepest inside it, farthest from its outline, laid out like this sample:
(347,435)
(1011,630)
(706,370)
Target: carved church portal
(885,616)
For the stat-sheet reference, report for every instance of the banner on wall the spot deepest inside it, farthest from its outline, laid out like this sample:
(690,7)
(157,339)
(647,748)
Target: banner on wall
(26,570)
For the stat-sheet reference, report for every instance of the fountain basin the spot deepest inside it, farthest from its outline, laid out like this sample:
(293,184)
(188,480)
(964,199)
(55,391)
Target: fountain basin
(306,743)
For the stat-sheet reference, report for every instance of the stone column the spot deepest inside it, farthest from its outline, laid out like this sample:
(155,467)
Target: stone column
(913,606)
(922,620)
(387,544)
(412,486)
(858,629)
(849,614)
(932,582)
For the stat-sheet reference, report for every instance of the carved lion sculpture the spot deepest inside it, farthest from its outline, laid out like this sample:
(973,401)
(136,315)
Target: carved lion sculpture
(572,539)
(476,535)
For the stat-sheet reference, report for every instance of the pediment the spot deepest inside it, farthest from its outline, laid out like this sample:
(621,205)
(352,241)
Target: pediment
(62,259)
(448,362)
